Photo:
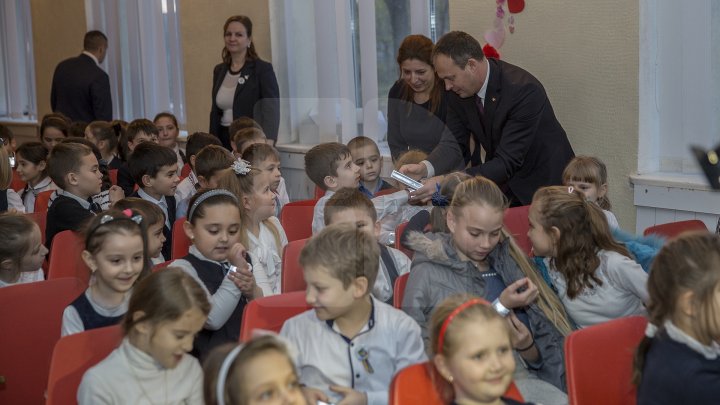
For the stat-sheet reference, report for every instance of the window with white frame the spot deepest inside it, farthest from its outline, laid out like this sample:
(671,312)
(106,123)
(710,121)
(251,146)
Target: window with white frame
(335,62)
(679,84)
(17,66)
(146,55)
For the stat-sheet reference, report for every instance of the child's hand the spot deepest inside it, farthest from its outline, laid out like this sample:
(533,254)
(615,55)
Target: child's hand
(522,340)
(116,194)
(519,294)
(350,396)
(243,277)
(313,395)
(520,335)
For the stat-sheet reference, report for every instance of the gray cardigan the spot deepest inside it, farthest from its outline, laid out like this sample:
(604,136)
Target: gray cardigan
(437,273)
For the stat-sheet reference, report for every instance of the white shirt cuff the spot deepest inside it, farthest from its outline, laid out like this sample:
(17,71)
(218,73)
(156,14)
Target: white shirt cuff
(430,168)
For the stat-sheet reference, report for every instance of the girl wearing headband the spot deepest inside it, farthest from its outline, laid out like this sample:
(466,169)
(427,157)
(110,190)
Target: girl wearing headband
(678,360)
(220,263)
(472,352)
(115,252)
(258,372)
(151,365)
(595,277)
(479,257)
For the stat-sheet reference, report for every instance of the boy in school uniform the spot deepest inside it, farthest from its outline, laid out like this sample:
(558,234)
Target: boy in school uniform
(154,168)
(366,155)
(351,206)
(350,345)
(138,131)
(74,168)
(207,165)
(190,184)
(330,166)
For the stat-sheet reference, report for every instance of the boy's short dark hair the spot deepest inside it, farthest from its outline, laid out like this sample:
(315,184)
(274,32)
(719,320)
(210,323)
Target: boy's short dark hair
(259,152)
(199,140)
(212,159)
(140,125)
(242,123)
(348,198)
(66,157)
(345,252)
(361,142)
(152,213)
(149,158)
(322,161)
(245,135)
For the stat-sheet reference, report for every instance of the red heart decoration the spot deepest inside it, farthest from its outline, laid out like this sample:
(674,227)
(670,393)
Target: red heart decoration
(516,6)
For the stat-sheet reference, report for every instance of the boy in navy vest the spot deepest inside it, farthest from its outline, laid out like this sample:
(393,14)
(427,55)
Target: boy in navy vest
(154,169)
(350,205)
(75,169)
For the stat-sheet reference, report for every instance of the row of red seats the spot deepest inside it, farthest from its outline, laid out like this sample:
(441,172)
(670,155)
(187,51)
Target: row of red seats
(598,359)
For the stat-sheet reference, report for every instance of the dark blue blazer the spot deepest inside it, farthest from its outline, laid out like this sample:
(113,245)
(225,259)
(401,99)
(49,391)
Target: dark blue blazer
(526,147)
(258,97)
(81,90)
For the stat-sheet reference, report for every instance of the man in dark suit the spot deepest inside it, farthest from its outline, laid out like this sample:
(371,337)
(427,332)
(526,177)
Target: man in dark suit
(80,88)
(506,111)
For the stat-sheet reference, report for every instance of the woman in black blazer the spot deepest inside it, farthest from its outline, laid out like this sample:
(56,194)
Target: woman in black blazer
(416,102)
(243,84)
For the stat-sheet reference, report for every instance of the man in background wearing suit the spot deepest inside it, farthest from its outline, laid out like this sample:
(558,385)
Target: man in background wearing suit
(80,88)
(506,111)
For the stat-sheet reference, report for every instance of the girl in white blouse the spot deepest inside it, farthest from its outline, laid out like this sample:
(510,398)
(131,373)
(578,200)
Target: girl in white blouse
(152,366)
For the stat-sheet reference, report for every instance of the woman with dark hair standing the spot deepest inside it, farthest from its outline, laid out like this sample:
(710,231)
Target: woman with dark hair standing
(416,103)
(243,84)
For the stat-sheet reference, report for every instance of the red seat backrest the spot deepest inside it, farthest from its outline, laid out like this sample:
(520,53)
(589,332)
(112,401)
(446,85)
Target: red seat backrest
(270,313)
(40,219)
(73,356)
(161,266)
(674,229)
(185,171)
(113,176)
(180,242)
(66,259)
(42,200)
(319,193)
(599,362)
(296,219)
(414,385)
(292,278)
(399,290)
(517,224)
(30,320)
(399,230)
(16,184)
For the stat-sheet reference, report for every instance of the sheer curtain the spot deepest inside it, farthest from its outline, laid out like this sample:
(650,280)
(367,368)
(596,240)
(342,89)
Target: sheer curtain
(17,66)
(144,59)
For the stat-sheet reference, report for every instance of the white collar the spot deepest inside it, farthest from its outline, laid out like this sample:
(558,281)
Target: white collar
(41,184)
(92,56)
(195,252)
(148,197)
(483,89)
(711,352)
(85,203)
